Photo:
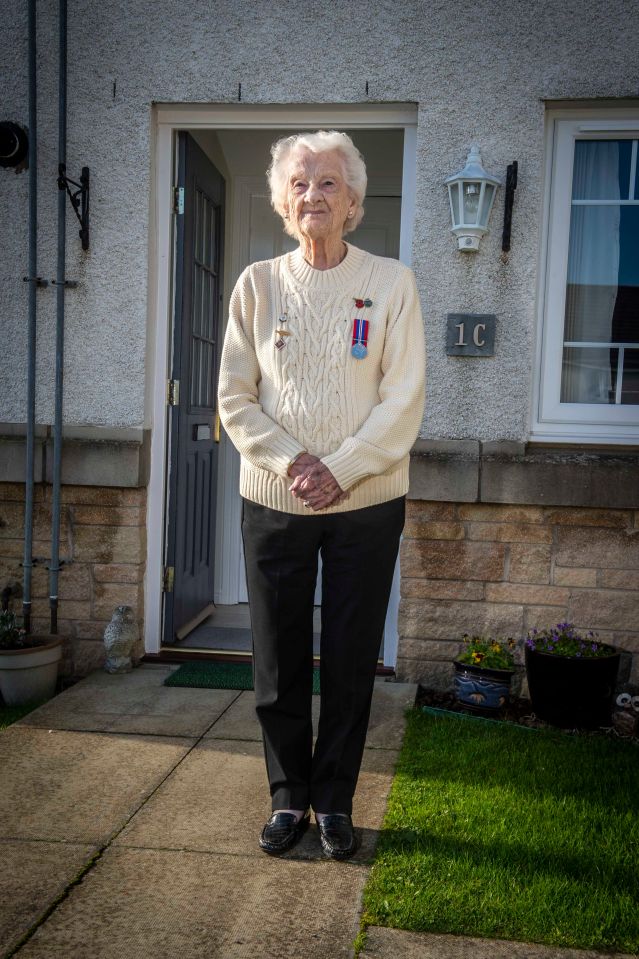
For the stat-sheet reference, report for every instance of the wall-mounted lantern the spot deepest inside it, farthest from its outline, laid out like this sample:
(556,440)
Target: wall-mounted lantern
(471,193)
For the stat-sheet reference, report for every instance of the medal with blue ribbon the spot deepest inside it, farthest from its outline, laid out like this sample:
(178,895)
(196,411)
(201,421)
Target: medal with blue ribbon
(359,348)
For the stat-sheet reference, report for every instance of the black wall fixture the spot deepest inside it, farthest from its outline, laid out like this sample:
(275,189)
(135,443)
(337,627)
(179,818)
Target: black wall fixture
(14,145)
(79,198)
(511,186)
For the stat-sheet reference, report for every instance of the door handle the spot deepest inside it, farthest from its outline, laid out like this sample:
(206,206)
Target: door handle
(216,427)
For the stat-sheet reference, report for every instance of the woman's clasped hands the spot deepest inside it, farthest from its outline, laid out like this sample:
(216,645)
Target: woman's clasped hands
(314,483)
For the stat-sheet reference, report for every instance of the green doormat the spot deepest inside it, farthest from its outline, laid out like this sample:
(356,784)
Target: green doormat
(219,676)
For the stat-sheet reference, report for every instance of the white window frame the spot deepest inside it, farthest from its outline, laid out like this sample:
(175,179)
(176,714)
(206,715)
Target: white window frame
(552,420)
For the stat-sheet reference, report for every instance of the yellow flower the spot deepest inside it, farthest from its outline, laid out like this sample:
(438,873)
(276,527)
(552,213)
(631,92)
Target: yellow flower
(477,657)
(495,648)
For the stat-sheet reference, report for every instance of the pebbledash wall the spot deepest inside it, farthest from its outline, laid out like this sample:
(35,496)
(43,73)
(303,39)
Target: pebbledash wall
(504,531)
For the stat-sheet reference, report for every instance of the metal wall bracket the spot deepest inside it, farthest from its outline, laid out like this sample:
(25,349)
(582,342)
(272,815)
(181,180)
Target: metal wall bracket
(511,186)
(79,198)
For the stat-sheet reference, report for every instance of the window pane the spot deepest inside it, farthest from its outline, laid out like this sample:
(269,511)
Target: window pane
(630,382)
(589,375)
(602,293)
(602,170)
(593,273)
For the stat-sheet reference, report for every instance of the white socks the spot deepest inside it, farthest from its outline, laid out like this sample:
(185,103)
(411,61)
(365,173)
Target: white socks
(298,813)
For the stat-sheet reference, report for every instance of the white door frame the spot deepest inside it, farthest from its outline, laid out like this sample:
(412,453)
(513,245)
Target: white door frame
(165,120)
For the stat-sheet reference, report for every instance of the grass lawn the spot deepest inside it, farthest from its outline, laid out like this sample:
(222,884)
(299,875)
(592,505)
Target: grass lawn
(496,830)
(11,714)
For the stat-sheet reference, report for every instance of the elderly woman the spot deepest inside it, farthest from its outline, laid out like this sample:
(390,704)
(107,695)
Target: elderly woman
(321,390)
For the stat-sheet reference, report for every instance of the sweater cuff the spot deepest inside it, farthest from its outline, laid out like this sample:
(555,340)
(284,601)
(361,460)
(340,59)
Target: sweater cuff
(345,465)
(283,450)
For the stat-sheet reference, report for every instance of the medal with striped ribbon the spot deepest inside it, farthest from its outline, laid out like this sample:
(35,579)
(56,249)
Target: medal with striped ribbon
(359,347)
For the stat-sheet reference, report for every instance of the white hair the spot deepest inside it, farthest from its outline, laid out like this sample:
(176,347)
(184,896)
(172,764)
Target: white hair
(320,142)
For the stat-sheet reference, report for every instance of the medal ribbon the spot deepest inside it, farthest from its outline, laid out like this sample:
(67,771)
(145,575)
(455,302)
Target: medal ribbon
(360,332)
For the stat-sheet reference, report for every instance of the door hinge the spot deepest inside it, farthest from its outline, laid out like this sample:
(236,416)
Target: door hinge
(173,392)
(178,199)
(167,579)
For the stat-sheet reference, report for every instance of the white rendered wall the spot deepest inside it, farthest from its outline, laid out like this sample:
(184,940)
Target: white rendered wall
(478,70)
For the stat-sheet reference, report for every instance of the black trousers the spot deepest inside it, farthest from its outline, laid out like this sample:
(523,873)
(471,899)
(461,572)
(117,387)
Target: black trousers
(358,549)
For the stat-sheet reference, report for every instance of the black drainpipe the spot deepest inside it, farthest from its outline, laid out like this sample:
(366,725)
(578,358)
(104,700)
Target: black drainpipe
(31,334)
(59,343)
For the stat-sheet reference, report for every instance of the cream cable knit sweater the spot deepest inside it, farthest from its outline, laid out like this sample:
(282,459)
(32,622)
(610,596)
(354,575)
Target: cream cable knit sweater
(361,417)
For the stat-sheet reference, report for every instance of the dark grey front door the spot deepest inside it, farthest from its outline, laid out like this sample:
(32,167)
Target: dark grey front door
(193,443)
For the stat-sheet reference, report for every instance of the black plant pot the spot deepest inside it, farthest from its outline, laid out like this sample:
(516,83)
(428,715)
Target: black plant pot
(480,688)
(572,692)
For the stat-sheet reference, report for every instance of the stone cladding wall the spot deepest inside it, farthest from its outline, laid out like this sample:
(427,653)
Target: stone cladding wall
(103,543)
(477,567)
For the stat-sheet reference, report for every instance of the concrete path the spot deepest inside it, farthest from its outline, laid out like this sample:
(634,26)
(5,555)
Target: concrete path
(129,818)
(384,943)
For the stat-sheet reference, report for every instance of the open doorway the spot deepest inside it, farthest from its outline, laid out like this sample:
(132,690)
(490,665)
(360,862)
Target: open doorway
(255,233)
(239,152)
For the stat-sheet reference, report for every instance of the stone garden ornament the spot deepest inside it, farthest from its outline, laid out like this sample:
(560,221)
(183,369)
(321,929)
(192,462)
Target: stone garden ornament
(120,637)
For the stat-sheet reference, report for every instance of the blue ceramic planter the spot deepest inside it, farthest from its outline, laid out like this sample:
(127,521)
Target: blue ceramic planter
(482,689)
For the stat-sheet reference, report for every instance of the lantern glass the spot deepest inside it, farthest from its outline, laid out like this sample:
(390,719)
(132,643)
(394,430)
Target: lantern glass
(454,202)
(471,191)
(489,193)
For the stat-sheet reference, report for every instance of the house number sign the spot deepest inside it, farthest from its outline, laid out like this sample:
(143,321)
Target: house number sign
(470,334)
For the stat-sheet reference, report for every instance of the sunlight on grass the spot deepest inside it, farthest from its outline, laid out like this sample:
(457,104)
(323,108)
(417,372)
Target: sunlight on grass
(494,830)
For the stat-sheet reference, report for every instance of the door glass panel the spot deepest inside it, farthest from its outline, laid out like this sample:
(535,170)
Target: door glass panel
(197,297)
(206,252)
(194,371)
(602,290)
(203,302)
(197,217)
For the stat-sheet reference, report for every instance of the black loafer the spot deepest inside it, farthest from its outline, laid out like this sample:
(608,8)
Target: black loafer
(282,831)
(337,835)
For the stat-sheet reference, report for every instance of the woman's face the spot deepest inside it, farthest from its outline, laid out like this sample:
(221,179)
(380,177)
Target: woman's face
(319,200)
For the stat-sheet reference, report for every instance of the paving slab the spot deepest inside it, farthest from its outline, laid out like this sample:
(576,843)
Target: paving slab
(217,800)
(76,786)
(385,727)
(156,904)
(33,875)
(383,943)
(172,782)
(134,702)
(387,719)
(239,721)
